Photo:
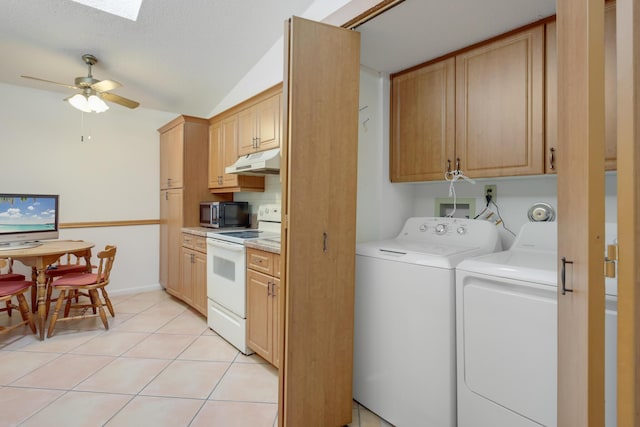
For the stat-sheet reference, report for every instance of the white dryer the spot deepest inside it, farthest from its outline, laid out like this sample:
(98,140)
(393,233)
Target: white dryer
(404,337)
(506,320)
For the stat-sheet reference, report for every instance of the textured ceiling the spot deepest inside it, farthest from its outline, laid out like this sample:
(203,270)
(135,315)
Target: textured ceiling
(186,56)
(179,56)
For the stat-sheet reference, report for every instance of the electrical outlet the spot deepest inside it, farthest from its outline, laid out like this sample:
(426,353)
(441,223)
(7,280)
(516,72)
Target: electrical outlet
(491,190)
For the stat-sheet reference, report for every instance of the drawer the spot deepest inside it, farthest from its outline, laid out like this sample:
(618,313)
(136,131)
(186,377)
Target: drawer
(200,244)
(192,241)
(260,261)
(187,240)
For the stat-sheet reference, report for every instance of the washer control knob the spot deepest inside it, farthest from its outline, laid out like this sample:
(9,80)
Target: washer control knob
(441,228)
(461,230)
(423,227)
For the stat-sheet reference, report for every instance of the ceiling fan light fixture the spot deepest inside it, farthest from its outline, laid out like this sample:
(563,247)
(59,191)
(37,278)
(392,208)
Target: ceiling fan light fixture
(96,104)
(80,102)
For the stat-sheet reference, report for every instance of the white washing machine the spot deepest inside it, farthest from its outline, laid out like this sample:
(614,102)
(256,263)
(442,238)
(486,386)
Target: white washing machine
(404,338)
(506,320)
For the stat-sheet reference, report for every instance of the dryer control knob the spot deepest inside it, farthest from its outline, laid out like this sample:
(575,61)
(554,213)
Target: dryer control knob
(441,228)
(423,227)
(461,230)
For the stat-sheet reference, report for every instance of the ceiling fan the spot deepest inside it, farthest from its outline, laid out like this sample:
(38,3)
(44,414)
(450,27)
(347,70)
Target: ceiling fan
(93,92)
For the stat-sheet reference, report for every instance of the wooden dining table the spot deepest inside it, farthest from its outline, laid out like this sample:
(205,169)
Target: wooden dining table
(42,256)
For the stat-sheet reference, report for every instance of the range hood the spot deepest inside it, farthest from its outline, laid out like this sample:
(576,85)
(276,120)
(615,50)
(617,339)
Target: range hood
(262,163)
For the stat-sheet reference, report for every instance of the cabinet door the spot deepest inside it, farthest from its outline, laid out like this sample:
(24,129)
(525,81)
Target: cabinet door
(215,154)
(247,131)
(200,282)
(275,313)
(183,289)
(229,153)
(171,156)
(164,239)
(173,198)
(610,88)
(320,144)
(423,122)
(610,92)
(499,106)
(259,318)
(268,123)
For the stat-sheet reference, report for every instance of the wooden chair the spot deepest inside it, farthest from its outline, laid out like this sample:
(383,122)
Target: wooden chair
(71,283)
(17,288)
(68,263)
(7,263)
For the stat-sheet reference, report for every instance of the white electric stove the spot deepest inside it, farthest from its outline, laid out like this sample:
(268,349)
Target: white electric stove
(226,270)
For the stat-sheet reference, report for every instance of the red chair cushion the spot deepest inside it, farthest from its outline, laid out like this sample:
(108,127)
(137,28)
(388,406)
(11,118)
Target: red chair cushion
(11,276)
(63,269)
(11,287)
(76,279)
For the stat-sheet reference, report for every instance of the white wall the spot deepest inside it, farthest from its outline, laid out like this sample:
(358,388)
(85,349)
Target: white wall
(111,177)
(384,206)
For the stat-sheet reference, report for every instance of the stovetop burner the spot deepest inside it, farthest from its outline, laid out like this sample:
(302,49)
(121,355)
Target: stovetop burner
(254,234)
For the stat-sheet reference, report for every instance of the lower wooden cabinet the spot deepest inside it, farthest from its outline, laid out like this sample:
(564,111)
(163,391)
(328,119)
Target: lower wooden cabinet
(193,289)
(263,303)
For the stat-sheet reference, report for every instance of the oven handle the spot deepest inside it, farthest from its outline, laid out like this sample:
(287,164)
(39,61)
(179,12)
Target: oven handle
(236,247)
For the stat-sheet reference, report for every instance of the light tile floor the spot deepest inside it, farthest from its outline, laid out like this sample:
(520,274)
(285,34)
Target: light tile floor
(158,365)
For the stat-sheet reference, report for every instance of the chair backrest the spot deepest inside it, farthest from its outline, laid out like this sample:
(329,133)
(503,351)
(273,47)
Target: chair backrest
(106,258)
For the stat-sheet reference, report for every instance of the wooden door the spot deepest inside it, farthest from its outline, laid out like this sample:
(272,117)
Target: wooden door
(275,322)
(268,123)
(174,237)
(319,172)
(423,122)
(171,155)
(184,290)
(610,97)
(581,309)
(504,80)
(200,282)
(246,131)
(259,322)
(215,144)
(229,150)
(628,67)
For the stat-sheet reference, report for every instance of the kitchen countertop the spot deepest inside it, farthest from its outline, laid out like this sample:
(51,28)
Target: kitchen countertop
(198,231)
(267,245)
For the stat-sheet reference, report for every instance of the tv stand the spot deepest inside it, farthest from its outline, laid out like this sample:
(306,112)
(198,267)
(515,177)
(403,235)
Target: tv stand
(11,246)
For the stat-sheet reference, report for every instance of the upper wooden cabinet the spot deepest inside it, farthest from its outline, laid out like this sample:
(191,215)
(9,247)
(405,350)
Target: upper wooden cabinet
(259,126)
(183,185)
(499,106)
(610,92)
(480,111)
(423,122)
(223,139)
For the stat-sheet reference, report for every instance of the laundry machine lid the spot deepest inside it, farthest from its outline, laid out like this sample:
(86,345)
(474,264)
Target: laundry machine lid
(524,265)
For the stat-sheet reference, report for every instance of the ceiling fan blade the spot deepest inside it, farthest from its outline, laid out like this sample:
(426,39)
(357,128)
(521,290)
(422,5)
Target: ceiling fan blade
(119,100)
(49,81)
(105,85)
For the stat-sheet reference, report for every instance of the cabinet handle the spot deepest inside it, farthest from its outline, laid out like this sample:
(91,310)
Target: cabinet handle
(563,275)
(168,182)
(268,288)
(458,164)
(448,167)
(552,158)
(166,195)
(325,246)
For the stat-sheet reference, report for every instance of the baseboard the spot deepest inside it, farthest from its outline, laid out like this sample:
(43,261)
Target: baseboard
(136,290)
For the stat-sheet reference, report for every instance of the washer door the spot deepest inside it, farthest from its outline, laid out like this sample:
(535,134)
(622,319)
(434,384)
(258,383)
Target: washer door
(510,344)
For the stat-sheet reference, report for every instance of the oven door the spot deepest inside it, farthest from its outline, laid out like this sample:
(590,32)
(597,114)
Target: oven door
(226,275)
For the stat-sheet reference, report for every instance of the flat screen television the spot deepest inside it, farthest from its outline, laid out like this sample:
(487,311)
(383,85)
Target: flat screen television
(25,219)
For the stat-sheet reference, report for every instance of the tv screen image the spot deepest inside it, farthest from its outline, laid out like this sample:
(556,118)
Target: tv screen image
(27,218)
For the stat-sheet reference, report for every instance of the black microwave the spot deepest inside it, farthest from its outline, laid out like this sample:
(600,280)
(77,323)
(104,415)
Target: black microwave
(224,214)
